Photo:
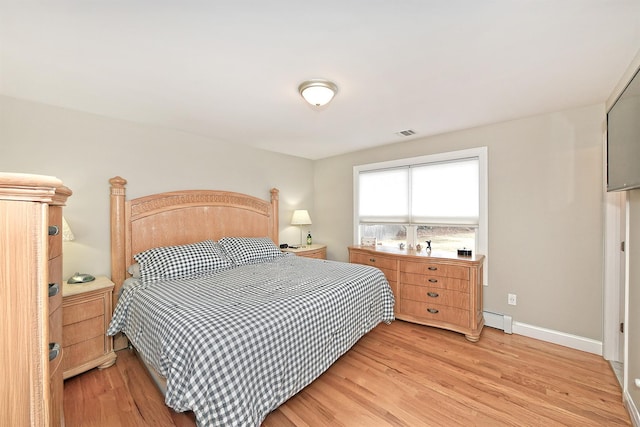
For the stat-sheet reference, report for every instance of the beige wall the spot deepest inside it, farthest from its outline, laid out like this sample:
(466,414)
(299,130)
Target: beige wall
(545,213)
(545,194)
(86,150)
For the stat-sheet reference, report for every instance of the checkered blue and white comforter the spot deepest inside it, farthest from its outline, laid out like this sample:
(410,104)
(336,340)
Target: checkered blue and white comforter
(235,344)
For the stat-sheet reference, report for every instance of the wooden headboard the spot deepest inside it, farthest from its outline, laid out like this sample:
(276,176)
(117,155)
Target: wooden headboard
(181,217)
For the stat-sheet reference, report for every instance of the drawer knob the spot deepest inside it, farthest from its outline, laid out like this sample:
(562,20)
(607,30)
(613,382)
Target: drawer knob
(372,259)
(433,294)
(54,350)
(432,268)
(433,280)
(433,310)
(54,230)
(54,289)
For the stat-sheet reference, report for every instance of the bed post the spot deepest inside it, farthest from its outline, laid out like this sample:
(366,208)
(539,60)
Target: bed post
(117,233)
(118,267)
(275,225)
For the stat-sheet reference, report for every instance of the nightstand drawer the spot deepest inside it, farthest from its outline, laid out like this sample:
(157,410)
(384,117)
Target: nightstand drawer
(310,251)
(316,253)
(83,352)
(81,331)
(75,313)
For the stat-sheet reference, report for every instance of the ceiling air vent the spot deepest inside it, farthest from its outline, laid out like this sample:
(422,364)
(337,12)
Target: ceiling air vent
(406,132)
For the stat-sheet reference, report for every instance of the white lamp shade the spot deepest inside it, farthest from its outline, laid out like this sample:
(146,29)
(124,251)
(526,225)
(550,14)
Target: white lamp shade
(67,234)
(301,217)
(318,92)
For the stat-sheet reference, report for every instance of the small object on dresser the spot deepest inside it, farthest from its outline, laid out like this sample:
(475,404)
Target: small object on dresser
(464,252)
(368,241)
(309,238)
(81,278)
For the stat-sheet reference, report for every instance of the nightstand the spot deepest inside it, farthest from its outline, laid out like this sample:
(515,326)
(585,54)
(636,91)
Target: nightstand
(309,251)
(86,313)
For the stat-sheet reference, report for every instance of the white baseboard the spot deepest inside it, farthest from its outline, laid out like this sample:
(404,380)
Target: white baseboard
(632,409)
(505,323)
(498,321)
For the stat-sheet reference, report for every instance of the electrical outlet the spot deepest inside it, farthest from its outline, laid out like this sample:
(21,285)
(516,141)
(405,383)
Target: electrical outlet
(512,299)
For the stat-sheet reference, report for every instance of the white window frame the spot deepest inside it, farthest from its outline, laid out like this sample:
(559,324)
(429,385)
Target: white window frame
(481,153)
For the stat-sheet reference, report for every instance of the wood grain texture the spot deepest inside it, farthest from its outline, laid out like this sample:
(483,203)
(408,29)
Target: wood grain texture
(30,384)
(87,314)
(414,275)
(401,374)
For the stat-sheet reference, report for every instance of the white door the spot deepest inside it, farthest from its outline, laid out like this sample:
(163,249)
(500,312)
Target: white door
(614,276)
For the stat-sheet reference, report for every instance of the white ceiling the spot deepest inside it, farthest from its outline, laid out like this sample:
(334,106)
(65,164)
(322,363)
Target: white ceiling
(229,70)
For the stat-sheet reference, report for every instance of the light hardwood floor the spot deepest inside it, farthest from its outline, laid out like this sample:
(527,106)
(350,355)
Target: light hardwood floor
(397,375)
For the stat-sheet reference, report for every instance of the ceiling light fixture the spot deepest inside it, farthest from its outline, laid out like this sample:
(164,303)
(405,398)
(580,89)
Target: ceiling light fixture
(318,92)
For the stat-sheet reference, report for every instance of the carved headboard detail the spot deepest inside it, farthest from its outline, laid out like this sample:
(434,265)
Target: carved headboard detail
(181,217)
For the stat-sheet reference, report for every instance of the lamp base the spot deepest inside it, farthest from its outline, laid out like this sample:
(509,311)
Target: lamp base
(301,245)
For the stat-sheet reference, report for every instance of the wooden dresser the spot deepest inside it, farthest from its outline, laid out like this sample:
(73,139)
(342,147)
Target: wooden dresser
(431,289)
(31,295)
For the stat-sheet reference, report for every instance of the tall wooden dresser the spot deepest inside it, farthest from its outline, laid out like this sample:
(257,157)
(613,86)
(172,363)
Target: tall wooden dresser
(31,298)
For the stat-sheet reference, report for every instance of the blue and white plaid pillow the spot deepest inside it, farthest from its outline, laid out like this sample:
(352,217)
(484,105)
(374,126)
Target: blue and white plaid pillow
(170,262)
(250,250)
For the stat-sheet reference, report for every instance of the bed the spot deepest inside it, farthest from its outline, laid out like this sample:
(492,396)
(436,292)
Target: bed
(229,325)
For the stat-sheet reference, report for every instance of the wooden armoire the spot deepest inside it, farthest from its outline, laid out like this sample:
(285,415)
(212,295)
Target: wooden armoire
(31,384)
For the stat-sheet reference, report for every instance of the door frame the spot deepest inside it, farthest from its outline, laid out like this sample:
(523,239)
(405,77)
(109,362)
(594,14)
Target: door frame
(614,276)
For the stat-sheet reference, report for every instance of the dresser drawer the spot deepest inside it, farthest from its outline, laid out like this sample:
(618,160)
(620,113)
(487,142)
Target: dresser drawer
(55,299)
(435,296)
(74,313)
(435,269)
(389,266)
(441,282)
(381,262)
(55,284)
(55,326)
(56,391)
(83,352)
(82,331)
(435,312)
(55,240)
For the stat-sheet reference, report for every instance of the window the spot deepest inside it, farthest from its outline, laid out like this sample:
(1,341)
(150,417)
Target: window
(441,198)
